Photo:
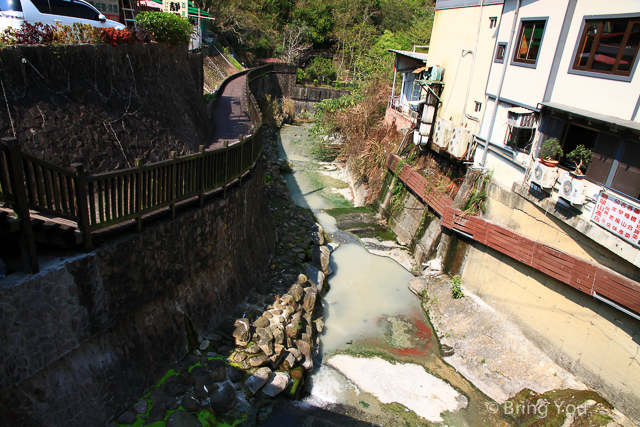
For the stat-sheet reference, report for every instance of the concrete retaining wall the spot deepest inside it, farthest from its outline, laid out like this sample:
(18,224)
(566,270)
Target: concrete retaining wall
(84,339)
(598,343)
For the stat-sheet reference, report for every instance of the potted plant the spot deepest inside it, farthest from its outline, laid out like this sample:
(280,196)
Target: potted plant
(549,150)
(581,156)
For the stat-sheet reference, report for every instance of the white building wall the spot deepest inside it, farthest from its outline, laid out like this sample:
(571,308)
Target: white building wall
(521,83)
(596,93)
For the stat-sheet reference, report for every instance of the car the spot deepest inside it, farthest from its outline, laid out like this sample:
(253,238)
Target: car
(52,12)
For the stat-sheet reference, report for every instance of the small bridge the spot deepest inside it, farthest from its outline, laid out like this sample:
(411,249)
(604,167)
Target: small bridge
(46,203)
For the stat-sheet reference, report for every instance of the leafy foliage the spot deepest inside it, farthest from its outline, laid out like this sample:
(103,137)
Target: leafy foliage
(37,33)
(76,34)
(456,287)
(550,149)
(166,27)
(582,156)
(476,201)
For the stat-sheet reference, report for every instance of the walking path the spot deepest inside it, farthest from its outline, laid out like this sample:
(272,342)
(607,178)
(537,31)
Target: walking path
(230,114)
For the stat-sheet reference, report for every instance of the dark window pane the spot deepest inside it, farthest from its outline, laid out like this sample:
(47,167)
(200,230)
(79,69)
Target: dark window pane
(603,155)
(554,129)
(42,5)
(84,12)
(61,7)
(520,138)
(627,179)
(529,42)
(500,52)
(10,6)
(585,50)
(577,135)
(630,49)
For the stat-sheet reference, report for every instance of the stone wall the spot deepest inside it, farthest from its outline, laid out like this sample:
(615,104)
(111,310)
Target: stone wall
(83,339)
(282,84)
(103,105)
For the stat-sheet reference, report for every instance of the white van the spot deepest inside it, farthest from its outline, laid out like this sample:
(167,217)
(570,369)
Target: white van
(53,12)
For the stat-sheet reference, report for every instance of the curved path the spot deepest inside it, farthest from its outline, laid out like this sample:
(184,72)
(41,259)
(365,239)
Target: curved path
(230,114)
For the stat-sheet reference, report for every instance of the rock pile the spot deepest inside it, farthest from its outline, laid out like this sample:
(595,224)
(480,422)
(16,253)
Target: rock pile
(265,347)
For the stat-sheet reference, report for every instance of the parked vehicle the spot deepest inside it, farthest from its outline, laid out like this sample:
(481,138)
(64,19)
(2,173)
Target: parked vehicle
(52,12)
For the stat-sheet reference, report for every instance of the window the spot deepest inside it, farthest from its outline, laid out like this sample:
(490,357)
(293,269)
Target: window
(520,139)
(85,11)
(493,21)
(42,6)
(500,52)
(478,107)
(415,91)
(627,177)
(529,41)
(10,6)
(608,46)
(61,7)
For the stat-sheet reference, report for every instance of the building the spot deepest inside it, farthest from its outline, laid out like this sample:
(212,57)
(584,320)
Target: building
(516,74)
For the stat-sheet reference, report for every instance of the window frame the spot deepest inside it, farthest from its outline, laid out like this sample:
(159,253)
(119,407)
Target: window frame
(583,70)
(524,62)
(478,107)
(503,45)
(493,22)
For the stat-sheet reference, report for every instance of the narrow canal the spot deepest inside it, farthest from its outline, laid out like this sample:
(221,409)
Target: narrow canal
(379,354)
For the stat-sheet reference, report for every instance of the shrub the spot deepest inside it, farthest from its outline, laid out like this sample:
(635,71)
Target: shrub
(115,37)
(550,149)
(456,290)
(37,33)
(166,27)
(581,156)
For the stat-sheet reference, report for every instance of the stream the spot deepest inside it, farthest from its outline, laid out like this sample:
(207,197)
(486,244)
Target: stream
(378,350)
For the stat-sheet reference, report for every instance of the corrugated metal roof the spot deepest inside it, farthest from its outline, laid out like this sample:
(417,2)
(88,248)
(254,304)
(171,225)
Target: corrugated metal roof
(454,4)
(415,55)
(520,110)
(590,114)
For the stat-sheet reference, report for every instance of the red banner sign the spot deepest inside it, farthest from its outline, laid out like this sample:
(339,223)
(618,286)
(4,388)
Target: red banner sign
(619,216)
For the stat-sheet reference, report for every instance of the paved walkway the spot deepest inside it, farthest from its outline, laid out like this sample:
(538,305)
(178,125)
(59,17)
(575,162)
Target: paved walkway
(230,114)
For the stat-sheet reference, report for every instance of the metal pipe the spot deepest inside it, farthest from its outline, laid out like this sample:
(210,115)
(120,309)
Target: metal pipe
(492,118)
(473,64)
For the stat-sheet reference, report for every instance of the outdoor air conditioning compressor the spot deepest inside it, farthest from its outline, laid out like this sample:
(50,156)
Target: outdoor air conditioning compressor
(572,190)
(544,176)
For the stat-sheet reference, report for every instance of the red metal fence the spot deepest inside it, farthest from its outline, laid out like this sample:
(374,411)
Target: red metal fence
(582,275)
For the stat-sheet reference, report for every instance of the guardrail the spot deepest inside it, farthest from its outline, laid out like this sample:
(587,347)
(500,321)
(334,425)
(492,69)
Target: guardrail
(95,202)
(593,279)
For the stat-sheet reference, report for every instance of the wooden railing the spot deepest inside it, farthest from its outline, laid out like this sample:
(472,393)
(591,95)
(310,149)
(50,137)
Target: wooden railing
(95,202)
(592,279)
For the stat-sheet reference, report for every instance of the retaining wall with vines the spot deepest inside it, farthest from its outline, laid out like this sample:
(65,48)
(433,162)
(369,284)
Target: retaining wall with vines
(101,105)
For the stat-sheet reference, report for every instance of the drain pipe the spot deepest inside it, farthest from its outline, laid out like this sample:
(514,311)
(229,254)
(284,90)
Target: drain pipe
(507,55)
(473,64)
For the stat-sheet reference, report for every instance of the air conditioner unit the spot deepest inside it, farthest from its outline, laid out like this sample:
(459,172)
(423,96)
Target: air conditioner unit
(459,141)
(521,120)
(572,190)
(438,133)
(544,176)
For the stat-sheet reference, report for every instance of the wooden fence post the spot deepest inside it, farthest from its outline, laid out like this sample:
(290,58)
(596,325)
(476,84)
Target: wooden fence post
(226,166)
(241,168)
(201,177)
(139,194)
(27,238)
(83,207)
(174,188)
